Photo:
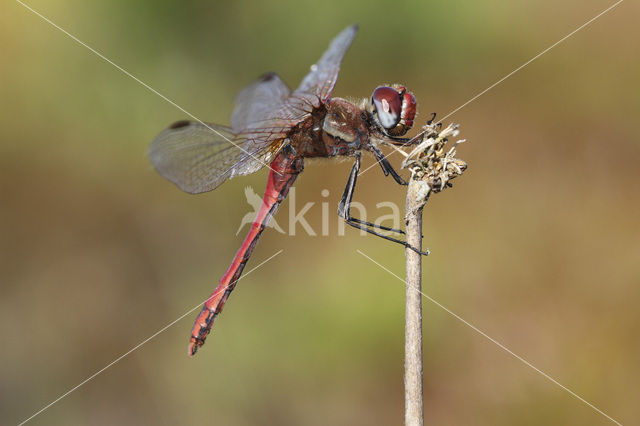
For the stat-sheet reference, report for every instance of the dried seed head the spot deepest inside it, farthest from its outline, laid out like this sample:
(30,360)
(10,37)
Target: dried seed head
(431,164)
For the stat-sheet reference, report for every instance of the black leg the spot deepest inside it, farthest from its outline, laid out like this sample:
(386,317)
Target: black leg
(345,206)
(373,225)
(387,169)
(347,196)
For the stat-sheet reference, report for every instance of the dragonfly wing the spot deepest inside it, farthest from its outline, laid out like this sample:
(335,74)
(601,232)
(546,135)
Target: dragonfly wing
(258,101)
(199,157)
(265,111)
(322,78)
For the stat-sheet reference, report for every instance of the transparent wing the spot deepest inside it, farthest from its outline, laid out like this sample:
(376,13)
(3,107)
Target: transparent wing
(265,111)
(258,101)
(322,78)
(199,157)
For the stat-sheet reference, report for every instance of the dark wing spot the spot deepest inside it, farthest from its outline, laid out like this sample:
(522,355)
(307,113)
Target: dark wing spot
(179,124)
(267,76)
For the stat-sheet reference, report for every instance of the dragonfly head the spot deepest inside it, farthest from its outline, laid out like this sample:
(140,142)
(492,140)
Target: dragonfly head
(393,109)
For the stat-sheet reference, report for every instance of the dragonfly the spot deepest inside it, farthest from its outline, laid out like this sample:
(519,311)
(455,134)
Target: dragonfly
(276,127)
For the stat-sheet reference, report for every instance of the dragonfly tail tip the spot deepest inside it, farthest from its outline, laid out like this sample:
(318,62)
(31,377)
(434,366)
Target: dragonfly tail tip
(193,348)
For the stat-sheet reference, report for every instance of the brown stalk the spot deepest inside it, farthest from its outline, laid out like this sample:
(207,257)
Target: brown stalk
(432,168)
(413,401)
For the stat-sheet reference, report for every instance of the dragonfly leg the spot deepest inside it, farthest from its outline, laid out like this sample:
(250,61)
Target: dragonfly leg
(375,225)
(387,169)
(345,207)
(284,171)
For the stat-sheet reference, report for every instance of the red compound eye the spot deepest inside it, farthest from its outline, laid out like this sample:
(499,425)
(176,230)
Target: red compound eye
(388,106)
(394,109)
(408,108)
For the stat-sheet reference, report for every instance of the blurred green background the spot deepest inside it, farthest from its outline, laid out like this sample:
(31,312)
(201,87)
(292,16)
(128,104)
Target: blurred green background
(537,245)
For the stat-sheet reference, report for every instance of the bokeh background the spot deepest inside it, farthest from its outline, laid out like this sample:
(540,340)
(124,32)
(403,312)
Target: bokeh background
(537,245)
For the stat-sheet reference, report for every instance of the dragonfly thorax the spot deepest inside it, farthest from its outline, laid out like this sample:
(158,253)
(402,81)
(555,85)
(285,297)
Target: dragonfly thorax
(338,127)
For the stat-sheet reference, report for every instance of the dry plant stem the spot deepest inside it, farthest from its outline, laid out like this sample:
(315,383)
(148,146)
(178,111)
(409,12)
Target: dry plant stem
(432,169)
(413,400)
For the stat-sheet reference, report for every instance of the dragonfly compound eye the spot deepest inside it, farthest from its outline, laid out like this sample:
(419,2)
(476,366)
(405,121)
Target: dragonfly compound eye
(394,109)
(387,106)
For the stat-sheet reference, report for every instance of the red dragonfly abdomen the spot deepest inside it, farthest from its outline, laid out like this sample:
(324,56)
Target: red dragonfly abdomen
(284,171)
